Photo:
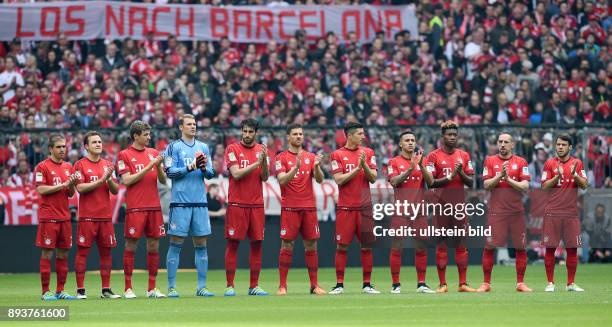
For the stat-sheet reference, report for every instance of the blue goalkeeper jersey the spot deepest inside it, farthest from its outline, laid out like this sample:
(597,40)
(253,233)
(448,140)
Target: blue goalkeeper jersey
(188,187)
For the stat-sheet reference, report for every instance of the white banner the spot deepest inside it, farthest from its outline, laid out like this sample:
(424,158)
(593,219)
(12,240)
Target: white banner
(86,20)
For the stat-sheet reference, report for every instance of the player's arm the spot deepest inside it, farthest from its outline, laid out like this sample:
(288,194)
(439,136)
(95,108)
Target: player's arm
(521,186)
(113,186)
(581,181)
(128,178)
(400,178)
(83,188)
(554,179)
(208,171)
(342,179)
(318,171)
(492,182)
(50,189)
(466,178)
(161,175)
(263,157)
(172,168)
(284,178)
(238,173)
(370,173)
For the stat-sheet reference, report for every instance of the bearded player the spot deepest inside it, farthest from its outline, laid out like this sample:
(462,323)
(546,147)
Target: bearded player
(187,164)
(140,167)
(55,180)
(354,168)
(295,169)
(247,162)
(407,174)
(562,176)
(452,170)
(506,175)
(95,185)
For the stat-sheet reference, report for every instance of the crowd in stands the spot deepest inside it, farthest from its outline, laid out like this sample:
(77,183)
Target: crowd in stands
(492,63)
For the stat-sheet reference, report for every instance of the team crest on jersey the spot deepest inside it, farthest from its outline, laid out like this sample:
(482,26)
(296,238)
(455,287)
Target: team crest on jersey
(231,232)
(232,156)
(256,155)
(132,230)
(47,241)
(39,177)
(283,232)
(307,161)
(334,164)
(121,164)
(168,161)
(67,172)
(78,174)
(81,239)
(514,166)
(279,165)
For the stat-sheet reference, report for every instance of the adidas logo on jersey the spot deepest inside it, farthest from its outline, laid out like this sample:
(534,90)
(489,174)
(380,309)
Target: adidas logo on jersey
(133,159)
(443,162)
(52,172)
(345,158)
(89,171)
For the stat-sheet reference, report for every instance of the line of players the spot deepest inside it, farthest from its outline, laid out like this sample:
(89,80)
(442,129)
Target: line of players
(186,161)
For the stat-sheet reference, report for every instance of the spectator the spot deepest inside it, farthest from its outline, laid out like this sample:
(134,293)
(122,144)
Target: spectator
(216,208)
(598,228)
(10,79)
(22,177)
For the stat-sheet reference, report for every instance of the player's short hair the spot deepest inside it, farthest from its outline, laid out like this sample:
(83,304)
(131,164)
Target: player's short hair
(449,124)
(506,133)
(406,132)
(250,122)
(88,135)
(185,116)
(54,138)
(138,127)
(351,127)
(292,127)
(564,137)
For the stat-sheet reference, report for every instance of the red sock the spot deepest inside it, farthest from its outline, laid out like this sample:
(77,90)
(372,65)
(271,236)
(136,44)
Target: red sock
(61,268)
(231,250)
(461,259)
(106,263)
(395,263)
(488,259)
(420,263)
(152,266)
(340,265)
(255,263)
(45,274)
(367,263)
(312,263)
(128,267)
(441,262)
(80,265)
(572,264)
(549,264)
(284,263)
(521,265)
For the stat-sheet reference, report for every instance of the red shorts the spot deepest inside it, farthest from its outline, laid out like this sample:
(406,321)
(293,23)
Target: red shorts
(504,225)
(419,224)
(354,222)
(151,222)
(241,222)
(100,230)
(299,221)
(51,235)
(566,229)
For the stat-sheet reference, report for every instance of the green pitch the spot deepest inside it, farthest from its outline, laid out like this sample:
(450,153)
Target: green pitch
(503,306)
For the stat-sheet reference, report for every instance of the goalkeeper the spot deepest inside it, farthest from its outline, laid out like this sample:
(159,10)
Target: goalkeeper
(187,164)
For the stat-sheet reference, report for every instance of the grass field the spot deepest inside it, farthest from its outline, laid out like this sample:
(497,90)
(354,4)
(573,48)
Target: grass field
(503,306)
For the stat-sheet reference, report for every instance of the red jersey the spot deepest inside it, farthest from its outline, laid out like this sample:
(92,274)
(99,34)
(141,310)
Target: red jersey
(298,192)
(505,199)
(142,195)
(248,190)
(94,204)
(562,201)
(441,164)
(356,192)
(415,181)
(53,206)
